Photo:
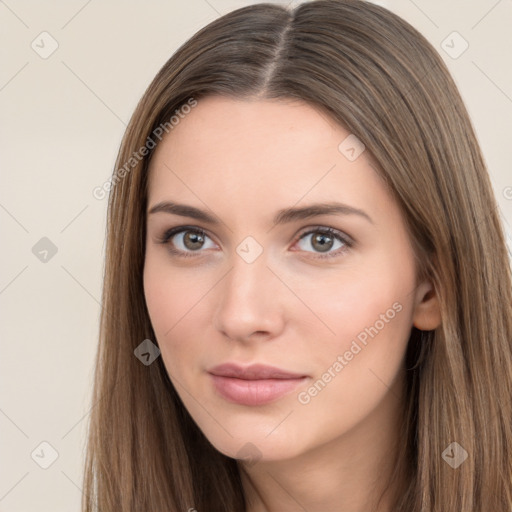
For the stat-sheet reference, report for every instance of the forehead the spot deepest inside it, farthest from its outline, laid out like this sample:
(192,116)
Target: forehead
(257,152)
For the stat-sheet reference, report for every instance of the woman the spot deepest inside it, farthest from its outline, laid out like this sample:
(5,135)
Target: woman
(307,294)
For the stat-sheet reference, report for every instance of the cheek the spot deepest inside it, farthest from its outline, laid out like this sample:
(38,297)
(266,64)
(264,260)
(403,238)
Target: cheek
(371,316)
(169,292)
(357,302)
(173,299)
(356,368)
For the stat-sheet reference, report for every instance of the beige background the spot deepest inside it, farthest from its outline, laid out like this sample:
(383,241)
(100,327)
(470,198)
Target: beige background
(62,120)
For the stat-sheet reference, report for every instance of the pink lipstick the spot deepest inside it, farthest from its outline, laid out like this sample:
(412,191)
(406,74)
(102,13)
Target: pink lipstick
(256,384)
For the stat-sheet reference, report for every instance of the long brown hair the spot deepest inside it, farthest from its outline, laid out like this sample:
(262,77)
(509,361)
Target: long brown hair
(382,80)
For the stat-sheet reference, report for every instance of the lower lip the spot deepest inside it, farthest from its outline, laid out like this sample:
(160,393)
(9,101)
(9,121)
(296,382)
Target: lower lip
(254,392)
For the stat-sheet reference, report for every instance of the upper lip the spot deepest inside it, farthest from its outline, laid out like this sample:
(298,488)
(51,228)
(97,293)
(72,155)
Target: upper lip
(253,372)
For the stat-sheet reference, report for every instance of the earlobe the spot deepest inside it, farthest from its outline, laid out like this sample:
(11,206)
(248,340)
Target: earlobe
(427,312)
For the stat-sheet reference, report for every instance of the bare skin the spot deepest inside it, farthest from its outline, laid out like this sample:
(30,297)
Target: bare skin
(304,304)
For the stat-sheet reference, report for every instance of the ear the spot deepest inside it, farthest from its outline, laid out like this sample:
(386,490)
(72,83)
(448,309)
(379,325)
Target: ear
(427,312)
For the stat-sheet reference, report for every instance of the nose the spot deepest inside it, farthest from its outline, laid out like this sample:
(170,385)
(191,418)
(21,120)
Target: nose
(251,301)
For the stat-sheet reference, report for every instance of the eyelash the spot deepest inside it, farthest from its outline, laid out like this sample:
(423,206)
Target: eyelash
(318,229)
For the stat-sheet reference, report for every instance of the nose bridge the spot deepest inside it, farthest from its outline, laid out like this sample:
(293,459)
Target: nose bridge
(249,298)
(248,283)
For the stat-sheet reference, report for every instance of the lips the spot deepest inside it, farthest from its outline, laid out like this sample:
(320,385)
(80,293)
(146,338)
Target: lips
(253,385)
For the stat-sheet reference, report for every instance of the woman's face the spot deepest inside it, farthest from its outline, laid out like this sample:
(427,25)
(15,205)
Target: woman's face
(250,276)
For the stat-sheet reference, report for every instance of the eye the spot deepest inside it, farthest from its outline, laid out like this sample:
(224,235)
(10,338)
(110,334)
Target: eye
(184,240)
(188,241)
(323,240)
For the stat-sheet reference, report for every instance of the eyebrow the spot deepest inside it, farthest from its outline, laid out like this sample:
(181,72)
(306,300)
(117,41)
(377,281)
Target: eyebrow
(282,216)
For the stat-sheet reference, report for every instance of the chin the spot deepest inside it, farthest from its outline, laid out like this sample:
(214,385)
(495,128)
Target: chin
(254,445)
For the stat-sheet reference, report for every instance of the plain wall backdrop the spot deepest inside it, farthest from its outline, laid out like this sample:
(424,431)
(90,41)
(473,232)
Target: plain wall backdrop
(71,74)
